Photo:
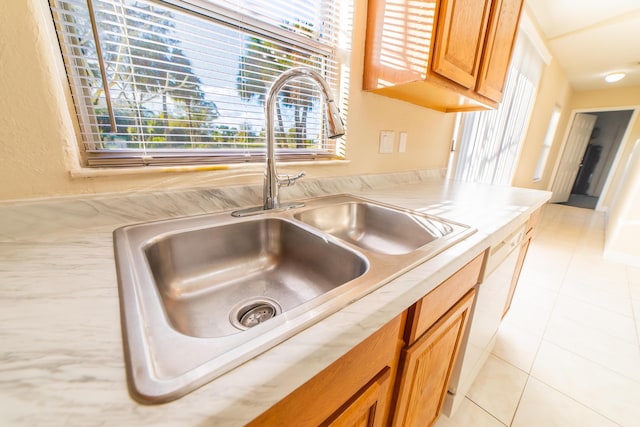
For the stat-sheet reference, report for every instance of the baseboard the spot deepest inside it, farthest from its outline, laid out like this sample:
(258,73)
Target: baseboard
(621,257)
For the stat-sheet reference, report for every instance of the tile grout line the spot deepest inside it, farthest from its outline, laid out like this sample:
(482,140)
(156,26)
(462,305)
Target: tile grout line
(513,417)
(579,241)
(575,245)
(528,374)
(546,327)
(485,411)
(572,399)
(634,313)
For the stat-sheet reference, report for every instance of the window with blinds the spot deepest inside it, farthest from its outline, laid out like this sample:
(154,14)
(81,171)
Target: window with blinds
(490,141)
(157,82)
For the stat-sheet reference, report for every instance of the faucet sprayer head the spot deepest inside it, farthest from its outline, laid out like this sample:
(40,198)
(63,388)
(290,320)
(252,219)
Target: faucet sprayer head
(335,125)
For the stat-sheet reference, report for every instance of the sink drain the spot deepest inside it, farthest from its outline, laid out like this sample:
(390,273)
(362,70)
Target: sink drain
(251,313)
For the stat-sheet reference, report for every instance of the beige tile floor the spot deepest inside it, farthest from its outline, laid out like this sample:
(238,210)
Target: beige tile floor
(568,352)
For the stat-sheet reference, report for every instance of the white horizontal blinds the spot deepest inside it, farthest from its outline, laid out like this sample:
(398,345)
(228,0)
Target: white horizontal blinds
(314,19)
(157,82)
(490,140)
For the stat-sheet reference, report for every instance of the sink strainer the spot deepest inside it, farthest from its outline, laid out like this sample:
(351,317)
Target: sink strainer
(251,313)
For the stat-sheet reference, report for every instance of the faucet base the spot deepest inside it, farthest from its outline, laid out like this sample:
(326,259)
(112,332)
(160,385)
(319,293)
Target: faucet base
(256,210)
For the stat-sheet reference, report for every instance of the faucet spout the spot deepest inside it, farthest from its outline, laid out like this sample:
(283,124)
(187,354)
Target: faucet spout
(335,129)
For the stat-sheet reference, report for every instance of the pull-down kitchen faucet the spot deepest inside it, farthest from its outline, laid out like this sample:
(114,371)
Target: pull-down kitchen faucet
(335,129)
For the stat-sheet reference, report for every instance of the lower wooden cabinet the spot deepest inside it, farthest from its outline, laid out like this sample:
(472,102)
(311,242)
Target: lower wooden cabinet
(426,367)
(398,376)
(355,390)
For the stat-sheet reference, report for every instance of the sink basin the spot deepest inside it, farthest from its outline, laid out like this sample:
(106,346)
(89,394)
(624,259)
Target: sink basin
(374,227)
(222,280)
(200,295)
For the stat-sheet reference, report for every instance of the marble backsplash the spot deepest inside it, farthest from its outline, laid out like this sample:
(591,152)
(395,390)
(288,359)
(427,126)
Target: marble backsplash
(42,219)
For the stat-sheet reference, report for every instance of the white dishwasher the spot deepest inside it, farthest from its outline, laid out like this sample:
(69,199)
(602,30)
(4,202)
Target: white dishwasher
(491,296)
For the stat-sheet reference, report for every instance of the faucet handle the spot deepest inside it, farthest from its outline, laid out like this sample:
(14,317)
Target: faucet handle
(288,180)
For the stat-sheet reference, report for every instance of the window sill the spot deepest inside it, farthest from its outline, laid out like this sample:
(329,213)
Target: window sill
(230,169)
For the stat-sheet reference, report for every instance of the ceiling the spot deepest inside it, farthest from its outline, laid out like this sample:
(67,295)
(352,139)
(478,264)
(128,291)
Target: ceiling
(590,38)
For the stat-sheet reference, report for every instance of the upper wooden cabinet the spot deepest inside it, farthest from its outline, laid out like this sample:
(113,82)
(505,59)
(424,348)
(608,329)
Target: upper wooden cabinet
(449,55)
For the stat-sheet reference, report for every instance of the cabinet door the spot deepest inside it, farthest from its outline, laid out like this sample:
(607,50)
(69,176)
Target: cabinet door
(460,39)
(367,408)
(501,37)
(427,365)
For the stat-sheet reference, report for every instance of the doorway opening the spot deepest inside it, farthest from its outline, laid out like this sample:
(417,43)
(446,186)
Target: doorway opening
(590,151)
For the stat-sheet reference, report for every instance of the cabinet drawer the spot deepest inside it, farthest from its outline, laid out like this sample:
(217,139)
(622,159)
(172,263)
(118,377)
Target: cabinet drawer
(423,314)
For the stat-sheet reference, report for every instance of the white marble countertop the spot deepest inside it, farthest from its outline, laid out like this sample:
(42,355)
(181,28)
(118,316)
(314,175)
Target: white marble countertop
(61,355)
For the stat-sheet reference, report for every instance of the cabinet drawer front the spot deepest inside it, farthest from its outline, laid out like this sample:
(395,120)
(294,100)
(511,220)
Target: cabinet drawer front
(434,305)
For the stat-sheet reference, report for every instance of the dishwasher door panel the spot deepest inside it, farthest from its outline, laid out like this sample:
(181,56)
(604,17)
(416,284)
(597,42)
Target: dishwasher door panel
(491,297)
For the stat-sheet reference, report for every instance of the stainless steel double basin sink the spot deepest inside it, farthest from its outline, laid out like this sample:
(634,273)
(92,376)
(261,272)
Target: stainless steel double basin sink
(200,295)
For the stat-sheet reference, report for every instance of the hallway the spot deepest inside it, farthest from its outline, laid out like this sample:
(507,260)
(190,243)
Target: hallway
(581,201)
(568,352)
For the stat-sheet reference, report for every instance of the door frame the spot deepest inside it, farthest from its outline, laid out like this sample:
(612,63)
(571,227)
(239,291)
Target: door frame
(617,159)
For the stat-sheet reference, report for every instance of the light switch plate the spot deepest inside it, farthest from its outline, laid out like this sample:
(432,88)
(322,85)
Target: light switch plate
(402,144)
(386,141)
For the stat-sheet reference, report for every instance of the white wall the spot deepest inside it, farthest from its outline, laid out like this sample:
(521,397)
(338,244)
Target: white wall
(623,225)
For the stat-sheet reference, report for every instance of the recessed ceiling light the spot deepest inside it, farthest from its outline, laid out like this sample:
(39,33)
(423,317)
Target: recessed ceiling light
(614,77)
